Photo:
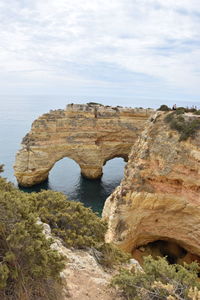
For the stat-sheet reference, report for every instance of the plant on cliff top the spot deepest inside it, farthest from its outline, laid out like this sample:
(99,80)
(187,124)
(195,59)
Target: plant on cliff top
(159,281)
(164,107)
(186,128)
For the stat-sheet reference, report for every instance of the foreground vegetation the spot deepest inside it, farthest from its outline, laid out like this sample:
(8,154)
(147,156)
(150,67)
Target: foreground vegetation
(160,281)
(29,268)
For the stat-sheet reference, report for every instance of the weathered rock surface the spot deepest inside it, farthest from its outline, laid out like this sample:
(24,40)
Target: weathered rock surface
(83,278)
(159,197)
(89,134)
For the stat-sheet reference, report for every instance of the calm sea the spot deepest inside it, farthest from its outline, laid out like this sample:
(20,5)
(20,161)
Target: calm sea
(16,115)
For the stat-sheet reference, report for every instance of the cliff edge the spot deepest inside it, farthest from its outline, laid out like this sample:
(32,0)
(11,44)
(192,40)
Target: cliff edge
(158,201)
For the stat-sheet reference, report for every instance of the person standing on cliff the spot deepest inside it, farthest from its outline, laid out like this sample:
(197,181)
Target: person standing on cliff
(174,107)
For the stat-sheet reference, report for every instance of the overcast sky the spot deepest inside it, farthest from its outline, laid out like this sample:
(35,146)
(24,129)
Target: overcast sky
(146,48)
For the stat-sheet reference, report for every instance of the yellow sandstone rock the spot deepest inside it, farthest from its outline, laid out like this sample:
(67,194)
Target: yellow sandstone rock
(159,197)
(90,134)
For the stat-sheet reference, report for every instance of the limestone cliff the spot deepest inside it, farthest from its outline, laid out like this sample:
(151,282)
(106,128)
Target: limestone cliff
(90,134)
(159,197)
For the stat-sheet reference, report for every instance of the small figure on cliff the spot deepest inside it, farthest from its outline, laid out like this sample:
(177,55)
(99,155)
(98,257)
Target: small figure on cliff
(174,107)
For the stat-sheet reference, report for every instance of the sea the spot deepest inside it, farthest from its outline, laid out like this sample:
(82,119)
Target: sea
(16,116)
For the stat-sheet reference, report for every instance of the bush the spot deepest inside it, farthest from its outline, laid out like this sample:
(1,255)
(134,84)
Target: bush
(29,268)
(75,224)
(159,280)
(109,255)
(164,107)
(1,168)
(180,111)
(197,112)
(185,128)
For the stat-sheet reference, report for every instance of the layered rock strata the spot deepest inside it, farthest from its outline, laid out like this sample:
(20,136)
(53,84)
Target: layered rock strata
(159,197)
(90,134)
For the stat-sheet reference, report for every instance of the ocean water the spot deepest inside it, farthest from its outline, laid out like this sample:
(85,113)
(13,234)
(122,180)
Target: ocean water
(16,116)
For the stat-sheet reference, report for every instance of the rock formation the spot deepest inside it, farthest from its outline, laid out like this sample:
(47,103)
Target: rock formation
(83,277)
(90,134)
(159,197)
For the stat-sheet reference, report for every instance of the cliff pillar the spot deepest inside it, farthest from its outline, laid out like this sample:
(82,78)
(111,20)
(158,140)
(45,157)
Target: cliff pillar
(92,172)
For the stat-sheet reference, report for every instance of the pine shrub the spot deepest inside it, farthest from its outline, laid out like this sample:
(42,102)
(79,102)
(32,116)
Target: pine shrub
(164,107)
(29,268)
(110,256)
(77,225)
(159,281)
(186,128)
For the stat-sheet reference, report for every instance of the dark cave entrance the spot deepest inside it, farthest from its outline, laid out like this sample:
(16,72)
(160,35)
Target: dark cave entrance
(174,252)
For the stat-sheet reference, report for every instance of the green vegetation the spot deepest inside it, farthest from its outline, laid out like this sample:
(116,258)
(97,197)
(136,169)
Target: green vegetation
(197,112)
(1,168)
(94,103)
(186,127)
(180,110)
(159,281)
(164,107)
(75,224)
(109,255)
(29,268)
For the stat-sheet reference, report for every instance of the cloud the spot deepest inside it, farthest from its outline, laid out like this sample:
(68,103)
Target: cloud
(65,39)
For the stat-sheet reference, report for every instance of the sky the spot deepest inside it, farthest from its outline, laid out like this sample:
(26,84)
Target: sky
(137,48)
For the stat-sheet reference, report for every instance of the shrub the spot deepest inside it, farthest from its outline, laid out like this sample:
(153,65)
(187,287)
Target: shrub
(185,128)
(197,112)
(164,107)
(94,103)
(29,268)
(159,280)
(180,111)
(109,255)
(1,168)
(75,224)
(169,117)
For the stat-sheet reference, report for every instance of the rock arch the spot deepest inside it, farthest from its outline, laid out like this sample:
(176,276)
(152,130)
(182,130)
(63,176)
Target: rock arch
(90,134)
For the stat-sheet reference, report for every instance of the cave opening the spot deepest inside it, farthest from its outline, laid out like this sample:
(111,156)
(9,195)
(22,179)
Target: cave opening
(172,250)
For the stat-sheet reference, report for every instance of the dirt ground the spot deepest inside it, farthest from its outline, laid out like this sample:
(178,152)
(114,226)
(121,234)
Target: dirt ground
(85,279)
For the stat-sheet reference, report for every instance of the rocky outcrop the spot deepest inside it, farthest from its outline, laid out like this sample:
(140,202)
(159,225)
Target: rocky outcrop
(82,277)
(159,197)
(90,134)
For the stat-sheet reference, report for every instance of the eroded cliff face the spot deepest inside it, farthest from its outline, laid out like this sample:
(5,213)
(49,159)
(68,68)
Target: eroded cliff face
(90,134)
(159,197)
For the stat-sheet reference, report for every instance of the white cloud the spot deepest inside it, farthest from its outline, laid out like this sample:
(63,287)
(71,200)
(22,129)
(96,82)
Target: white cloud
(158,38)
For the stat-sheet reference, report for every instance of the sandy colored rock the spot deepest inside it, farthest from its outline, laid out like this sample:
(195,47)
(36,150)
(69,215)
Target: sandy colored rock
(159,197)
(83,278)
(88,134)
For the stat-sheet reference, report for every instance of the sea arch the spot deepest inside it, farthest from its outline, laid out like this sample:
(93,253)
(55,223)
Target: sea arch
(90,134)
